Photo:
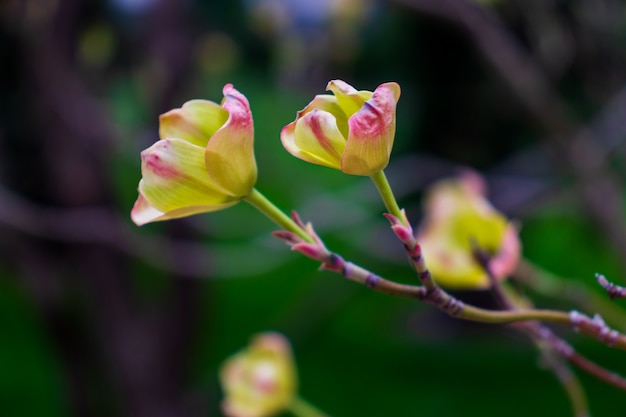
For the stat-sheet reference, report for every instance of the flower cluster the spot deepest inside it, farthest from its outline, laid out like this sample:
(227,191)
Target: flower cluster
(205,159)
(205,162)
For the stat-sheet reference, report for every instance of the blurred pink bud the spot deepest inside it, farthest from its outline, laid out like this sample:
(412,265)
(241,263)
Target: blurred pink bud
(404,233)
(311,250)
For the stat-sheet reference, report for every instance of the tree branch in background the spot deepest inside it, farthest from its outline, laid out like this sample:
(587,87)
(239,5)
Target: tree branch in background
(549,344)
(598,190)
(614,291)
(547,284)
(113,335)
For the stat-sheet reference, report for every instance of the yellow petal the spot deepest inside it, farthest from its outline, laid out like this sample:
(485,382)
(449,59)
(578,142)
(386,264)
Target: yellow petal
(350,100)
(450,266)
(196,121)
(372,131)
(143,212)
(330,104)
(175,181)
(485,229)
(229,156)
(318,140)
(288,139)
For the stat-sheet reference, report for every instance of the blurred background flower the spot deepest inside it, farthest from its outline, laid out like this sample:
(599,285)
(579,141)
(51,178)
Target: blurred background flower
(100,317)
(260,380)
(458,224)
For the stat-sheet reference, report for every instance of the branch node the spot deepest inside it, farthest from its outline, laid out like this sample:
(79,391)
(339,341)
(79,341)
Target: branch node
(613,290)
(576,319)
(372,280)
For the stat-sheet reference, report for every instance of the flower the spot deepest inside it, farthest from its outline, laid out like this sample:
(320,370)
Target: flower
(260,380)
(204,161)
(352,131)
(458,218)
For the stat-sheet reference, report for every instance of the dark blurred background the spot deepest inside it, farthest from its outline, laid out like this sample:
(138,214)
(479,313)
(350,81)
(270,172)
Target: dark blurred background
(101,318)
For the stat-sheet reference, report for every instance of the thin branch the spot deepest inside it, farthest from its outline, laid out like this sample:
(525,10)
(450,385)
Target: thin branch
(593,327)
(98,225)
(540,333)
(568,379)
(483,259)
(333,262)
(569,353)
(614,291)
(545,283)
(402,228)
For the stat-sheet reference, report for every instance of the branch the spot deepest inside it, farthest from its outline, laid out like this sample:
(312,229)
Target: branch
(548,284)
(614,291)
(402,228)
(568,379)
(569,353)
(99,225)
(540,333)
(593,327)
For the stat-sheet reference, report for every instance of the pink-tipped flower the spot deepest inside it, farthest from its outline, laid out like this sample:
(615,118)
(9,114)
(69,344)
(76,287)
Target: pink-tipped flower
(351,131)
(458,219)
(259,381)
(204,161)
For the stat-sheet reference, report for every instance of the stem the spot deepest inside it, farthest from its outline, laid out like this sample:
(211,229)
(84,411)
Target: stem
(265,206)
(565,350)
(597,371)
(569,381)
(547,284)
(507,316)
(384,189)
(302,408)
(614,291)
(592,327)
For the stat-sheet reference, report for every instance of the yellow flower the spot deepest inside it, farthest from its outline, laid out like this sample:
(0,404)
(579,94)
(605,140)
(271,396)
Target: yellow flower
(260,380)
(204,161)
(457,219)
(352,131)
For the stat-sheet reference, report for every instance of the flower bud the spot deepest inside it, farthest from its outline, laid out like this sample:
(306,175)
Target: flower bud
(352,131)
(204,161)
(260,380)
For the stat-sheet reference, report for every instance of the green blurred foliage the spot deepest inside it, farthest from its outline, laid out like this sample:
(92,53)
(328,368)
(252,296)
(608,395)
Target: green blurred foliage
(31,381)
